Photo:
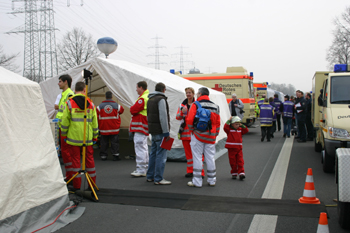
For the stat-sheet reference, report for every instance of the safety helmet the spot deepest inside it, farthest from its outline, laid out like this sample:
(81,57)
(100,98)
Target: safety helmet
(235,119)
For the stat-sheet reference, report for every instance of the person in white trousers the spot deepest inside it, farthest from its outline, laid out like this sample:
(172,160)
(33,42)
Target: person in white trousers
(203,142)
(139,127)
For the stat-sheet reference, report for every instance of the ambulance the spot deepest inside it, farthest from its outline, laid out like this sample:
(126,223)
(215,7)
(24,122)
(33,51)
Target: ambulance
(259,90)
(235,80)
(331,120)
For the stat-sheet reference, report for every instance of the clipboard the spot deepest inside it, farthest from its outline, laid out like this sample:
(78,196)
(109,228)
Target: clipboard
(167,144)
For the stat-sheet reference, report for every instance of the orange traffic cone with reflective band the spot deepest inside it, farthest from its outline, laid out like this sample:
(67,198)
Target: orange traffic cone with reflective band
(309,195)
(323,224)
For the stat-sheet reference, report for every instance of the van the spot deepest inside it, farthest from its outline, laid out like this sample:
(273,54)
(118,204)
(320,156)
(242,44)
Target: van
(331,113)
(235,80)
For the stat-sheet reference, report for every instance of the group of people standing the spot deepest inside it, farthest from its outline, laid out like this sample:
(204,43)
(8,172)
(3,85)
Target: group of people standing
(293,110)
(302,112)
(150,115)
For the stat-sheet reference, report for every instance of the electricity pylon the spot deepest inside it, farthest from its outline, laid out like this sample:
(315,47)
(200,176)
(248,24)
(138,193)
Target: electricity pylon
(40,57)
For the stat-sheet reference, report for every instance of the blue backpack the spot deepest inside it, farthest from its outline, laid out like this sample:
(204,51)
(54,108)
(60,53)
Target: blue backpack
(202,119)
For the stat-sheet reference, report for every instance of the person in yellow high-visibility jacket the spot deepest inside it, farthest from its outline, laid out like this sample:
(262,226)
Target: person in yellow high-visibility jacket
(73,130)
(258,104)
(64,84)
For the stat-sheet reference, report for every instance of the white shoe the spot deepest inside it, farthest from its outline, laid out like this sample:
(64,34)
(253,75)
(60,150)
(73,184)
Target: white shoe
(211,184)
(138,174)
(192,184)
(163,182)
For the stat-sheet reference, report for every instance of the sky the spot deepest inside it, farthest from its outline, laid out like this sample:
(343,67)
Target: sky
(279,41)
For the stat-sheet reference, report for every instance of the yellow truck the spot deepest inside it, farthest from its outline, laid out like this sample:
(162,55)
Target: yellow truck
(235,80)
(331,114)
(331,120)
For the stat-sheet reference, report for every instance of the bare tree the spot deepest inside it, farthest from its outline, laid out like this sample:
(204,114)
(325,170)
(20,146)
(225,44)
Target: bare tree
(339,51)
(75,48)
(8,61)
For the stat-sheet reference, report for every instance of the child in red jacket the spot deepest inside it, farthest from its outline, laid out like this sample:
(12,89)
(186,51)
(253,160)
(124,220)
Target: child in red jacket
(234,130)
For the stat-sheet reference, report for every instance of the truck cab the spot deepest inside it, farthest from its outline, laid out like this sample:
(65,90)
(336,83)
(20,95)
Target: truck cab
(331,113)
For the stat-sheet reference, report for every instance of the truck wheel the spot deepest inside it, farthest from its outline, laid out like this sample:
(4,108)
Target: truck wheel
(318,146)
(343,212)
(328,162)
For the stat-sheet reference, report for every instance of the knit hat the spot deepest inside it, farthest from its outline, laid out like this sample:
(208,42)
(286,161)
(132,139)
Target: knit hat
(235,119)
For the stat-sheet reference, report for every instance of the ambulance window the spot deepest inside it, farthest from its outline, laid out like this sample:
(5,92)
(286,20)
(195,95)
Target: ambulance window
(251,89)
(325,93)
(340,90)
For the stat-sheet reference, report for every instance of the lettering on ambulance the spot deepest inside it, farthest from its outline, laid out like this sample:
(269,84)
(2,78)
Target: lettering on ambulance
(227,89)
(340,117)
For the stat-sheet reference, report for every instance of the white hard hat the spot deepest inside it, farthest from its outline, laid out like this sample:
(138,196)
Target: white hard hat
(235,119)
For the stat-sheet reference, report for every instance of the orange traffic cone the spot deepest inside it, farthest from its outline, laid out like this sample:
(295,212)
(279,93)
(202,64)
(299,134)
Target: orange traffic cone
(323,224)
(309,195)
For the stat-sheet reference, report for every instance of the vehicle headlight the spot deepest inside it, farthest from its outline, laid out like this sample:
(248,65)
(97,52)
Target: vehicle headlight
(338,133)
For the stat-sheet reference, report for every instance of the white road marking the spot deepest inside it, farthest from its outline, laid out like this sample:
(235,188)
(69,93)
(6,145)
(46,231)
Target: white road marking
(273,190)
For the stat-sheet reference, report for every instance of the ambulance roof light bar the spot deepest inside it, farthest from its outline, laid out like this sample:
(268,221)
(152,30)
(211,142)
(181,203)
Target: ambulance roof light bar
(341,68)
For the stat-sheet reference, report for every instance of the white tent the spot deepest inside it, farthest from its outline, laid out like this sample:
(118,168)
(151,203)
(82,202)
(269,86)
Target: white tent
(121,77)
(33,192)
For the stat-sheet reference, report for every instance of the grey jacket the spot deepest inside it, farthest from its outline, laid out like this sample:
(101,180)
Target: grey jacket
(238,108)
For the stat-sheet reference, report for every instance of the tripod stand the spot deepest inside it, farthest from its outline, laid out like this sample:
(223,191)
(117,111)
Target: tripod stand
(87,75)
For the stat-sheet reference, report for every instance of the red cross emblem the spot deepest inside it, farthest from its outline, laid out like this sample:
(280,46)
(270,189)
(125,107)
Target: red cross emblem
(217,88)
(108,109)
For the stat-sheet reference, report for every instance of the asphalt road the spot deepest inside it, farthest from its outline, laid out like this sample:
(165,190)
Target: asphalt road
(260,159)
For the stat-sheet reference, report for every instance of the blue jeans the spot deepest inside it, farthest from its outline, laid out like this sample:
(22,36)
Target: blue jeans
(157,159)
(287,124)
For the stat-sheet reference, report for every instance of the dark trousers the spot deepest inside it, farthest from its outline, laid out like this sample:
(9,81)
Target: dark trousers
(266,131)
(278,121)
(309,127)
(301,126)
(273,128)
(105,144)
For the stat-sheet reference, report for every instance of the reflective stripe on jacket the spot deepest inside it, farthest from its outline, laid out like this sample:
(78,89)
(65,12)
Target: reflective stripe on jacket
(62,104)
(73,123)
(139,121)
(108,117)
(206,136)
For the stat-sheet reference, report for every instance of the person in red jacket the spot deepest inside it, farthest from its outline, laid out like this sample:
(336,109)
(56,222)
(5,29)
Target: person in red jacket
(234,130)
(109,123)
(203,142)
(184,132)
(139,128)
